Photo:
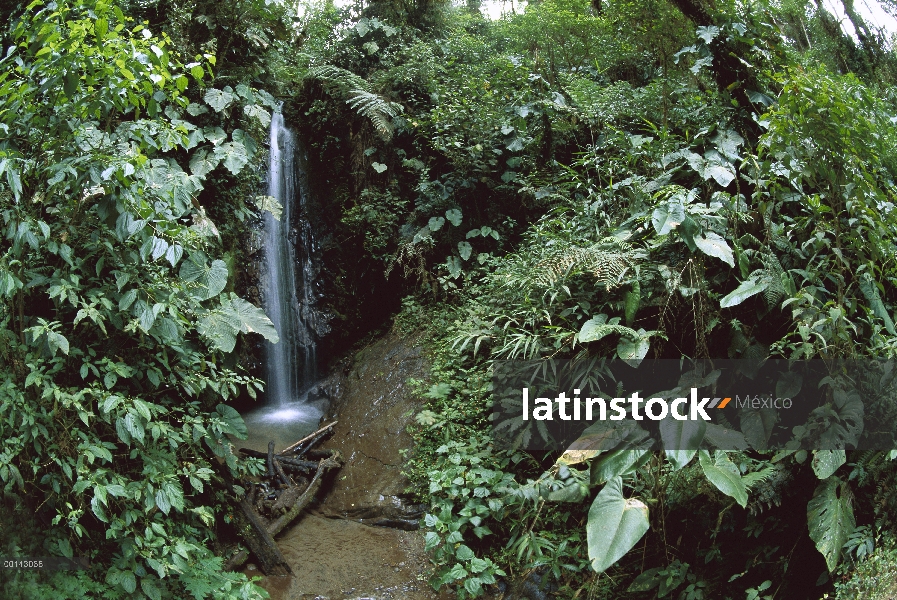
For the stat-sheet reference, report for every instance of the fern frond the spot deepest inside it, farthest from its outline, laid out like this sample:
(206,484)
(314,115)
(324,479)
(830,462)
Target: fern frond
(332,76)
(755,477)
(607,266)
(358,95)
(376,108)
(772,272)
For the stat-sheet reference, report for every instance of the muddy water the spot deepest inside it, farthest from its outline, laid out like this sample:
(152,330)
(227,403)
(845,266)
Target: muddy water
(336,558)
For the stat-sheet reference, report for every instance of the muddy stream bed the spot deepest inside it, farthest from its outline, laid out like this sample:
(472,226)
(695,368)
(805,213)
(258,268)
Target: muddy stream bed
(359,539)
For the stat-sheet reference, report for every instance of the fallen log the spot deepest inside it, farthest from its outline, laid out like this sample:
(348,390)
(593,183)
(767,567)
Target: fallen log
(286,460)
(255,532)
(260,539)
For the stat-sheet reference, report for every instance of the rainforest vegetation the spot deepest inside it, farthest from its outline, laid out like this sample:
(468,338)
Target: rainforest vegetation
(627,178)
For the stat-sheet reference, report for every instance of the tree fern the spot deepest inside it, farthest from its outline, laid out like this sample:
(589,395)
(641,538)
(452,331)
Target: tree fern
(357,93)
(607,261)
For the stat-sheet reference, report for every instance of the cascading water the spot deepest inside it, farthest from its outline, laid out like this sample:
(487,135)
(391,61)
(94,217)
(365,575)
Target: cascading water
(289,364)
(287,291)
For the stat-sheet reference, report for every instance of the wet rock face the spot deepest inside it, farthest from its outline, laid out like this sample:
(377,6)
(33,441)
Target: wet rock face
(373,404)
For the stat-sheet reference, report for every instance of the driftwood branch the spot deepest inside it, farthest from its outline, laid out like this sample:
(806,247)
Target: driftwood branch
(312,436)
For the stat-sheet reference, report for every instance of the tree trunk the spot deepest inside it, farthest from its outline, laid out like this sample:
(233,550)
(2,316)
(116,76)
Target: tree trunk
(732,76)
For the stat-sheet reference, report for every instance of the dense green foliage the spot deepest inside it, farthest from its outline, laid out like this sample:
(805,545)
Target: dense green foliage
(698,189)
(642,178)
(116,311)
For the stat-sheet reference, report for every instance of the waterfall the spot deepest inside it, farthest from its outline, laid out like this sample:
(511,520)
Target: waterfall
(288,275)
(286,285)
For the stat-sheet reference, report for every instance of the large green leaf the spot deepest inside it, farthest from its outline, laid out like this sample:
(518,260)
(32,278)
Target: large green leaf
(202,163)
(253,319)
(233,420)
(598,327)
(619,462)
(757,425)
(271,204)
(209,280)
(870,291)
(667,217)
(826,462)
(747,288)
(714,245)
(599,437)
(232,155)
(830,518)
(220,328)
(614,526)
(681,439)
(257,112)
(219,99)
(723,473)
(725,439)
(235,315)
(635,349)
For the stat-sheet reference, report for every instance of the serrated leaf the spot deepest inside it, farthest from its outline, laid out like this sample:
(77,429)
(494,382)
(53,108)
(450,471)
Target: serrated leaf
(233,420)
(194,109)
(830,519)
(210,280)
(270,204)
(162,501)
(174,254)
(219,99)
(202,163)
(235,315)
(216,135)
(712,244)
(232,155)
(134,426)
(615,524)
(160,247)
(146,317)
(254,111)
